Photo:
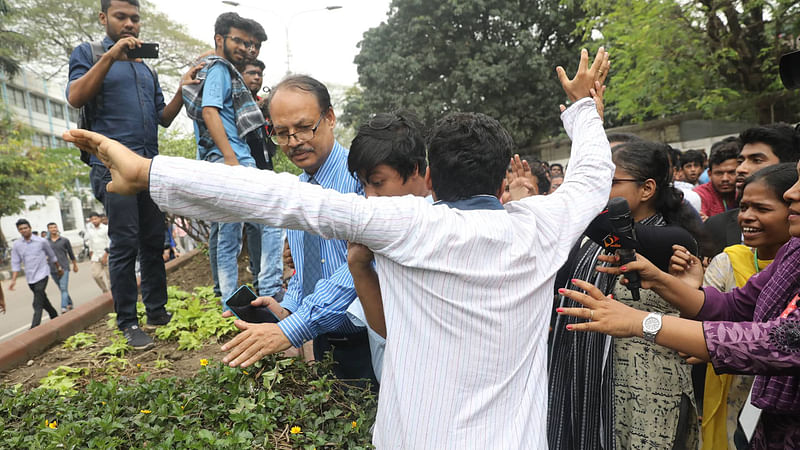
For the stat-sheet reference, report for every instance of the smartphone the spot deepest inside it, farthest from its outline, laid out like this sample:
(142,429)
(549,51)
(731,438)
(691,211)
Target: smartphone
(239,303)
(147,50)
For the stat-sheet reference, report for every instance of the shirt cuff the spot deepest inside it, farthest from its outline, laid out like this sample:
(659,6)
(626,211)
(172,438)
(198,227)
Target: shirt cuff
(295,328)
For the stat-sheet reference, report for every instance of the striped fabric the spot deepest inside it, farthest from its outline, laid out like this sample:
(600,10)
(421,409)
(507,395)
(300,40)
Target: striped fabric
(467,294)
(325,310)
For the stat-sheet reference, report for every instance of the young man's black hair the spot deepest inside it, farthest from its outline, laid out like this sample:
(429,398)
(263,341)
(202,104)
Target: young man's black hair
(468,154)
(257,63)
(782,138)
(229,20)
(94,214)
(691,156)
(730,142)
(257,31)
(104,4)
(557,165)
(542,181)
(723,153)
(23,222)
(395,139)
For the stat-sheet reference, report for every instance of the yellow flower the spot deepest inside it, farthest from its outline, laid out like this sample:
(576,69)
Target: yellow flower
(103,403)
(145,411)
(181,406)
(353,424)
(53,424)
(203,362)
(138,366)
(295,430)
(245,372)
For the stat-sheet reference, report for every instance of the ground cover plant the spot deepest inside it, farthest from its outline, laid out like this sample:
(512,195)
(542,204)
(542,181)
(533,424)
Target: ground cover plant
(92,391)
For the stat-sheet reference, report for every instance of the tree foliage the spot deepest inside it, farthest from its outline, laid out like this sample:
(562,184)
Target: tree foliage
(58,26)
(14,47)
(497,57)
(674,56)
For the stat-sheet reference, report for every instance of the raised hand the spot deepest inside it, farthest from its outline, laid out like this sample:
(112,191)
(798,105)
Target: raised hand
(648,272)
(522,182)
(580,86)
(130,173)
(686,267)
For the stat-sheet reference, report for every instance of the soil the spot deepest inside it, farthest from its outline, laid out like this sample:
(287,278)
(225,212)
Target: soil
(196,272)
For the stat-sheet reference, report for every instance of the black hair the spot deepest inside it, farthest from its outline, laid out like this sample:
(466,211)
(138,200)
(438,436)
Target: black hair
(674,156)
(23,222)
(395,139)
(623,137)
(256,62)
(542,180)
(257,31)
(307,84)
(93,214)
(723,153)
(727,144)
(229,20)
(559,166)
(778,178)
(52,223)
(468,154)
(645,160)
(780,137)
(691,156)
(104,4)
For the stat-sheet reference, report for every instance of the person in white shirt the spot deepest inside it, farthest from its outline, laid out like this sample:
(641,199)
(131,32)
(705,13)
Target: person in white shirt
(97,235)
(467,282)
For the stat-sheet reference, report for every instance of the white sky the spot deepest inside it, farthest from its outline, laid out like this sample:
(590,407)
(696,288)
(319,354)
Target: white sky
(323,43)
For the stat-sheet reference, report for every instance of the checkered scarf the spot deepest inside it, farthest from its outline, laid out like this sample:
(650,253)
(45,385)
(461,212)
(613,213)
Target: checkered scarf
(247,115)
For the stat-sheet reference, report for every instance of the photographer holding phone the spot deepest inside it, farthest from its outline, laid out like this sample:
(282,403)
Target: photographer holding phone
(121,98)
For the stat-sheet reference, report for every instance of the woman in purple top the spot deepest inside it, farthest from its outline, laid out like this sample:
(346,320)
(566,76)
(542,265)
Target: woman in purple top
(751,330)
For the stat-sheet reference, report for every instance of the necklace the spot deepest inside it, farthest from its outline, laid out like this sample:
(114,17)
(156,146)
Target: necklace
(755,260)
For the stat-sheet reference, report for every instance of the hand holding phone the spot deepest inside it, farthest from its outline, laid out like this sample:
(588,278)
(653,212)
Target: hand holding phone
(240,304)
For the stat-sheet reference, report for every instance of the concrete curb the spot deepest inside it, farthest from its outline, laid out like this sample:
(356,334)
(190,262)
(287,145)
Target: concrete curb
(34,342)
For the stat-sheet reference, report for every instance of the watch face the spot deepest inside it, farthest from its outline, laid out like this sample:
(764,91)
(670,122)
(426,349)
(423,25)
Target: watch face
(651,324)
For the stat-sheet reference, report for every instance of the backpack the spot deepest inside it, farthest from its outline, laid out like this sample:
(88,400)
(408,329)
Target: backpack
(88,112)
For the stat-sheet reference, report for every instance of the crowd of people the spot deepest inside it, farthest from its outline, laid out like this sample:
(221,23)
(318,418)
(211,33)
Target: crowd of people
(457,278)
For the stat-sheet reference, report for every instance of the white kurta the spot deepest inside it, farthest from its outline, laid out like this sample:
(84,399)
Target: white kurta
(467,294)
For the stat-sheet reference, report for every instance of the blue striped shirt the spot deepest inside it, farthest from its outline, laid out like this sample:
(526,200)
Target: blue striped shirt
(325,310)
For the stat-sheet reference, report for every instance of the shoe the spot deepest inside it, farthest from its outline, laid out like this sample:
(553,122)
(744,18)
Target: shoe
(137,338)
(157,321)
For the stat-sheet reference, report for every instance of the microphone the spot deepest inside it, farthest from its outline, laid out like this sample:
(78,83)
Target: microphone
(619,214)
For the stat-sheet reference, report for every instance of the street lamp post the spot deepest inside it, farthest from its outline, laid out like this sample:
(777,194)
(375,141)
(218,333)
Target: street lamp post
(285,24)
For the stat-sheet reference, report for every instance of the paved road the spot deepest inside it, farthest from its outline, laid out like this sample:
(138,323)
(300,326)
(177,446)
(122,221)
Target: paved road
(19,302)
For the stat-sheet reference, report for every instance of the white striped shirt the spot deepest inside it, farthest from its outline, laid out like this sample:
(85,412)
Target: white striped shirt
(467,294)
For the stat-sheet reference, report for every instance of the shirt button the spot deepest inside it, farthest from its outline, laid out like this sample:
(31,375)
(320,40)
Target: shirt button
(322,261)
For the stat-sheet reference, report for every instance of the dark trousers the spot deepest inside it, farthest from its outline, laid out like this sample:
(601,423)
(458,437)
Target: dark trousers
(351,355)
(253,234)
(40,301)
(135,227)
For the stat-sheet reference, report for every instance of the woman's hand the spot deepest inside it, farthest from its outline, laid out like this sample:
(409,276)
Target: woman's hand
(648,272)
(686,267)
(604,314)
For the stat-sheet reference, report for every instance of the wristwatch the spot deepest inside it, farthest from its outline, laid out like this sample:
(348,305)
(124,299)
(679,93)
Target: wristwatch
(651,325)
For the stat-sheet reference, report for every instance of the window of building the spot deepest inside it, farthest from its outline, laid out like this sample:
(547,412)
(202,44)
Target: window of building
(41,140)
(17,97)
(58,109)
(73,115)
(39,104)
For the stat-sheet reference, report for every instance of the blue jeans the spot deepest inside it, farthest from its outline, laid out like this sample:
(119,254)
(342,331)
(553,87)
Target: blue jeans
(213,235)
(229,244)
(270,277)
(63,284)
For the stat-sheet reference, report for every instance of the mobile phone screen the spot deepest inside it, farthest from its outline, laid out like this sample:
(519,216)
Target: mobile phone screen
(239,303)
(147,50)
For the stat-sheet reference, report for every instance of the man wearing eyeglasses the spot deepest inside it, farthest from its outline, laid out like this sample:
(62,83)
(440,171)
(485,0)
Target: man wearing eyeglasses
(316,302)
(224,114)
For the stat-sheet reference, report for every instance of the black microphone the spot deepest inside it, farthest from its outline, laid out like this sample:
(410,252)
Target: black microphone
(619,214)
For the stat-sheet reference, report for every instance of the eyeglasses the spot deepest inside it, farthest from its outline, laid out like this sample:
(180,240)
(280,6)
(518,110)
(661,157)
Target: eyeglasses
(240,41)
(620,180)
(253,73)
(302,135)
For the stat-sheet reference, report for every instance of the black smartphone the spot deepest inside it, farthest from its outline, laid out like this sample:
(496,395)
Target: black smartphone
(147,50)
(239,303)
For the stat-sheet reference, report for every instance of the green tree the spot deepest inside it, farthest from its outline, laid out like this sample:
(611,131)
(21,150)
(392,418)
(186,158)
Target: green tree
(14,46)
(58,26)
(718,57)
(497,57)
